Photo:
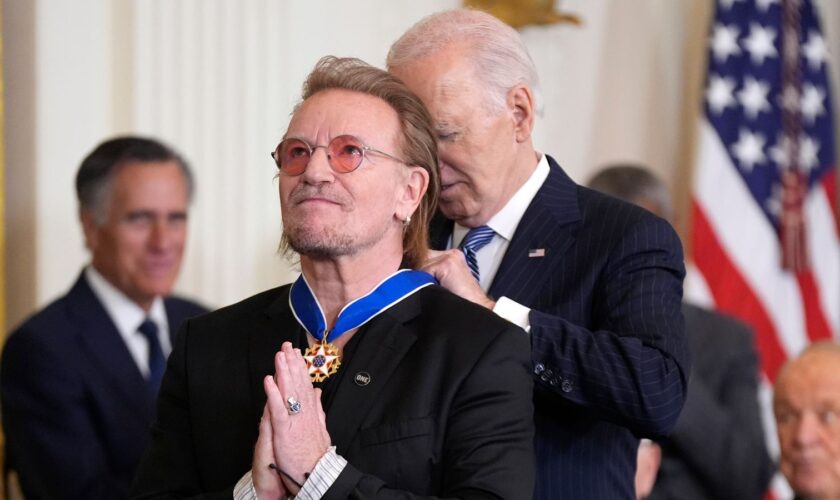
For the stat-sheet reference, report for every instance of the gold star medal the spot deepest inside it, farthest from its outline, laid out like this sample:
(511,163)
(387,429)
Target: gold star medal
(322,360)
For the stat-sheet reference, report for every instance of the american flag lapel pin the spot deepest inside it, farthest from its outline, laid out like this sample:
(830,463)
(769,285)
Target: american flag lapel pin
(536,253)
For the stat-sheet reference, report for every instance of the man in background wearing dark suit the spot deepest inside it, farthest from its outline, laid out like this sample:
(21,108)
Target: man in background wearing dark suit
(717,450)
(80,377)
(596,282)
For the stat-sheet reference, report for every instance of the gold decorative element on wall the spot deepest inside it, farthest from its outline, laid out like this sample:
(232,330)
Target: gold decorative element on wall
(520,13)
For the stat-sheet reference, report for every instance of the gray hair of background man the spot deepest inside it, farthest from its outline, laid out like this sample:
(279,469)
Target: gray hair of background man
(499,55)
(634,184)
(93,180)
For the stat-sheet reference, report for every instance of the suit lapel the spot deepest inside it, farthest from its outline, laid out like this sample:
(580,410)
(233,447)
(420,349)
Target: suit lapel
(386,341)
(544,233)
(275,326)
(173,321)
(100,338)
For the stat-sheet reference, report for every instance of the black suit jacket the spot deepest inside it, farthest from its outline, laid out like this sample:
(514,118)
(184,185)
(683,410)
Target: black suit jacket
(607,336)
(717,450)
(76,409)
(447,411)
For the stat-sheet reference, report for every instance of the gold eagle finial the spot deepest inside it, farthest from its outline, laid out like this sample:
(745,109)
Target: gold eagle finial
(519,13)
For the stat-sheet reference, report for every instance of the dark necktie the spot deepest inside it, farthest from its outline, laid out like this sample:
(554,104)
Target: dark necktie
(475,239)
(157,362)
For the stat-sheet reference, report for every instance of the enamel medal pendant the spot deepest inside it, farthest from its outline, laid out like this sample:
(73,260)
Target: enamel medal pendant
(322,360)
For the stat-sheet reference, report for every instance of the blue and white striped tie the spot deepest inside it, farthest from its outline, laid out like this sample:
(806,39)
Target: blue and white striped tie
(476,238)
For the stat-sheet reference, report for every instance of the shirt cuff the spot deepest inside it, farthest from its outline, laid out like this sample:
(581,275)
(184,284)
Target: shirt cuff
(323,476)
(244,489)
(514,312)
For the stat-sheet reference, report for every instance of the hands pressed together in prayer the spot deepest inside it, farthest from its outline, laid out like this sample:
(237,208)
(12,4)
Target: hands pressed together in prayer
(290,442)
(293,432)
(450,268)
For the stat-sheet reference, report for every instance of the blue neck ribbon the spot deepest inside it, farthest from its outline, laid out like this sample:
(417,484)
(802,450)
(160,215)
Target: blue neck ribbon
(389,292)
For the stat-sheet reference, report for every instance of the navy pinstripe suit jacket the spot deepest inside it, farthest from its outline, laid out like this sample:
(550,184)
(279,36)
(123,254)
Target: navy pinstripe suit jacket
(607,336)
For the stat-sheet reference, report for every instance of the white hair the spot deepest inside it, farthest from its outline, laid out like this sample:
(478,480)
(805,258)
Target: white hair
(498,54)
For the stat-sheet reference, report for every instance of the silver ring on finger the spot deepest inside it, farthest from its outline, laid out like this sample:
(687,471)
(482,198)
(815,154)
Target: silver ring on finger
(293,405)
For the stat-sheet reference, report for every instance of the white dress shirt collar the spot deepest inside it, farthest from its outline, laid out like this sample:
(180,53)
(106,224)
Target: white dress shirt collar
(505,221)
(127,317)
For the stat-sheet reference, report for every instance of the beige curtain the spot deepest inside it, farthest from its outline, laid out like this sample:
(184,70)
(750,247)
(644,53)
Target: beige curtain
(2,239)
(2,189)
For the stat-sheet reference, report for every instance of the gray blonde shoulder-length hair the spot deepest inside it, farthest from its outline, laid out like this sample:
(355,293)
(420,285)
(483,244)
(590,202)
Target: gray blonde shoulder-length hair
(418,143)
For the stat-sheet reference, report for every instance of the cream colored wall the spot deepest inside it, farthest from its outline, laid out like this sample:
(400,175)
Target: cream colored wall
(218,78)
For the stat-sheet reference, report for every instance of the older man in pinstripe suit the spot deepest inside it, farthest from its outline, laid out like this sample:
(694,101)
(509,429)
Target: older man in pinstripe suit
(596,282)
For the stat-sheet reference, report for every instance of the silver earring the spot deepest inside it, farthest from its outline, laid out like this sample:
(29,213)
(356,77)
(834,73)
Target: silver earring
(407,220)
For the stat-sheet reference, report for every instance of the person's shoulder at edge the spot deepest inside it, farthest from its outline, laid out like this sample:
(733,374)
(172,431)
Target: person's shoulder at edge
(715,320)
(595,204)
(182,309)
(258,303)
(41,325)
(448,312)
(714,331)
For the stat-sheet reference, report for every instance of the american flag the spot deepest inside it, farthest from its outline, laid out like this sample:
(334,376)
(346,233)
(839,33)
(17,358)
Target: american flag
(765,234)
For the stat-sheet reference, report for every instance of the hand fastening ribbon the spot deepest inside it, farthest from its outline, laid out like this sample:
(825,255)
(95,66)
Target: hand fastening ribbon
(322,358)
